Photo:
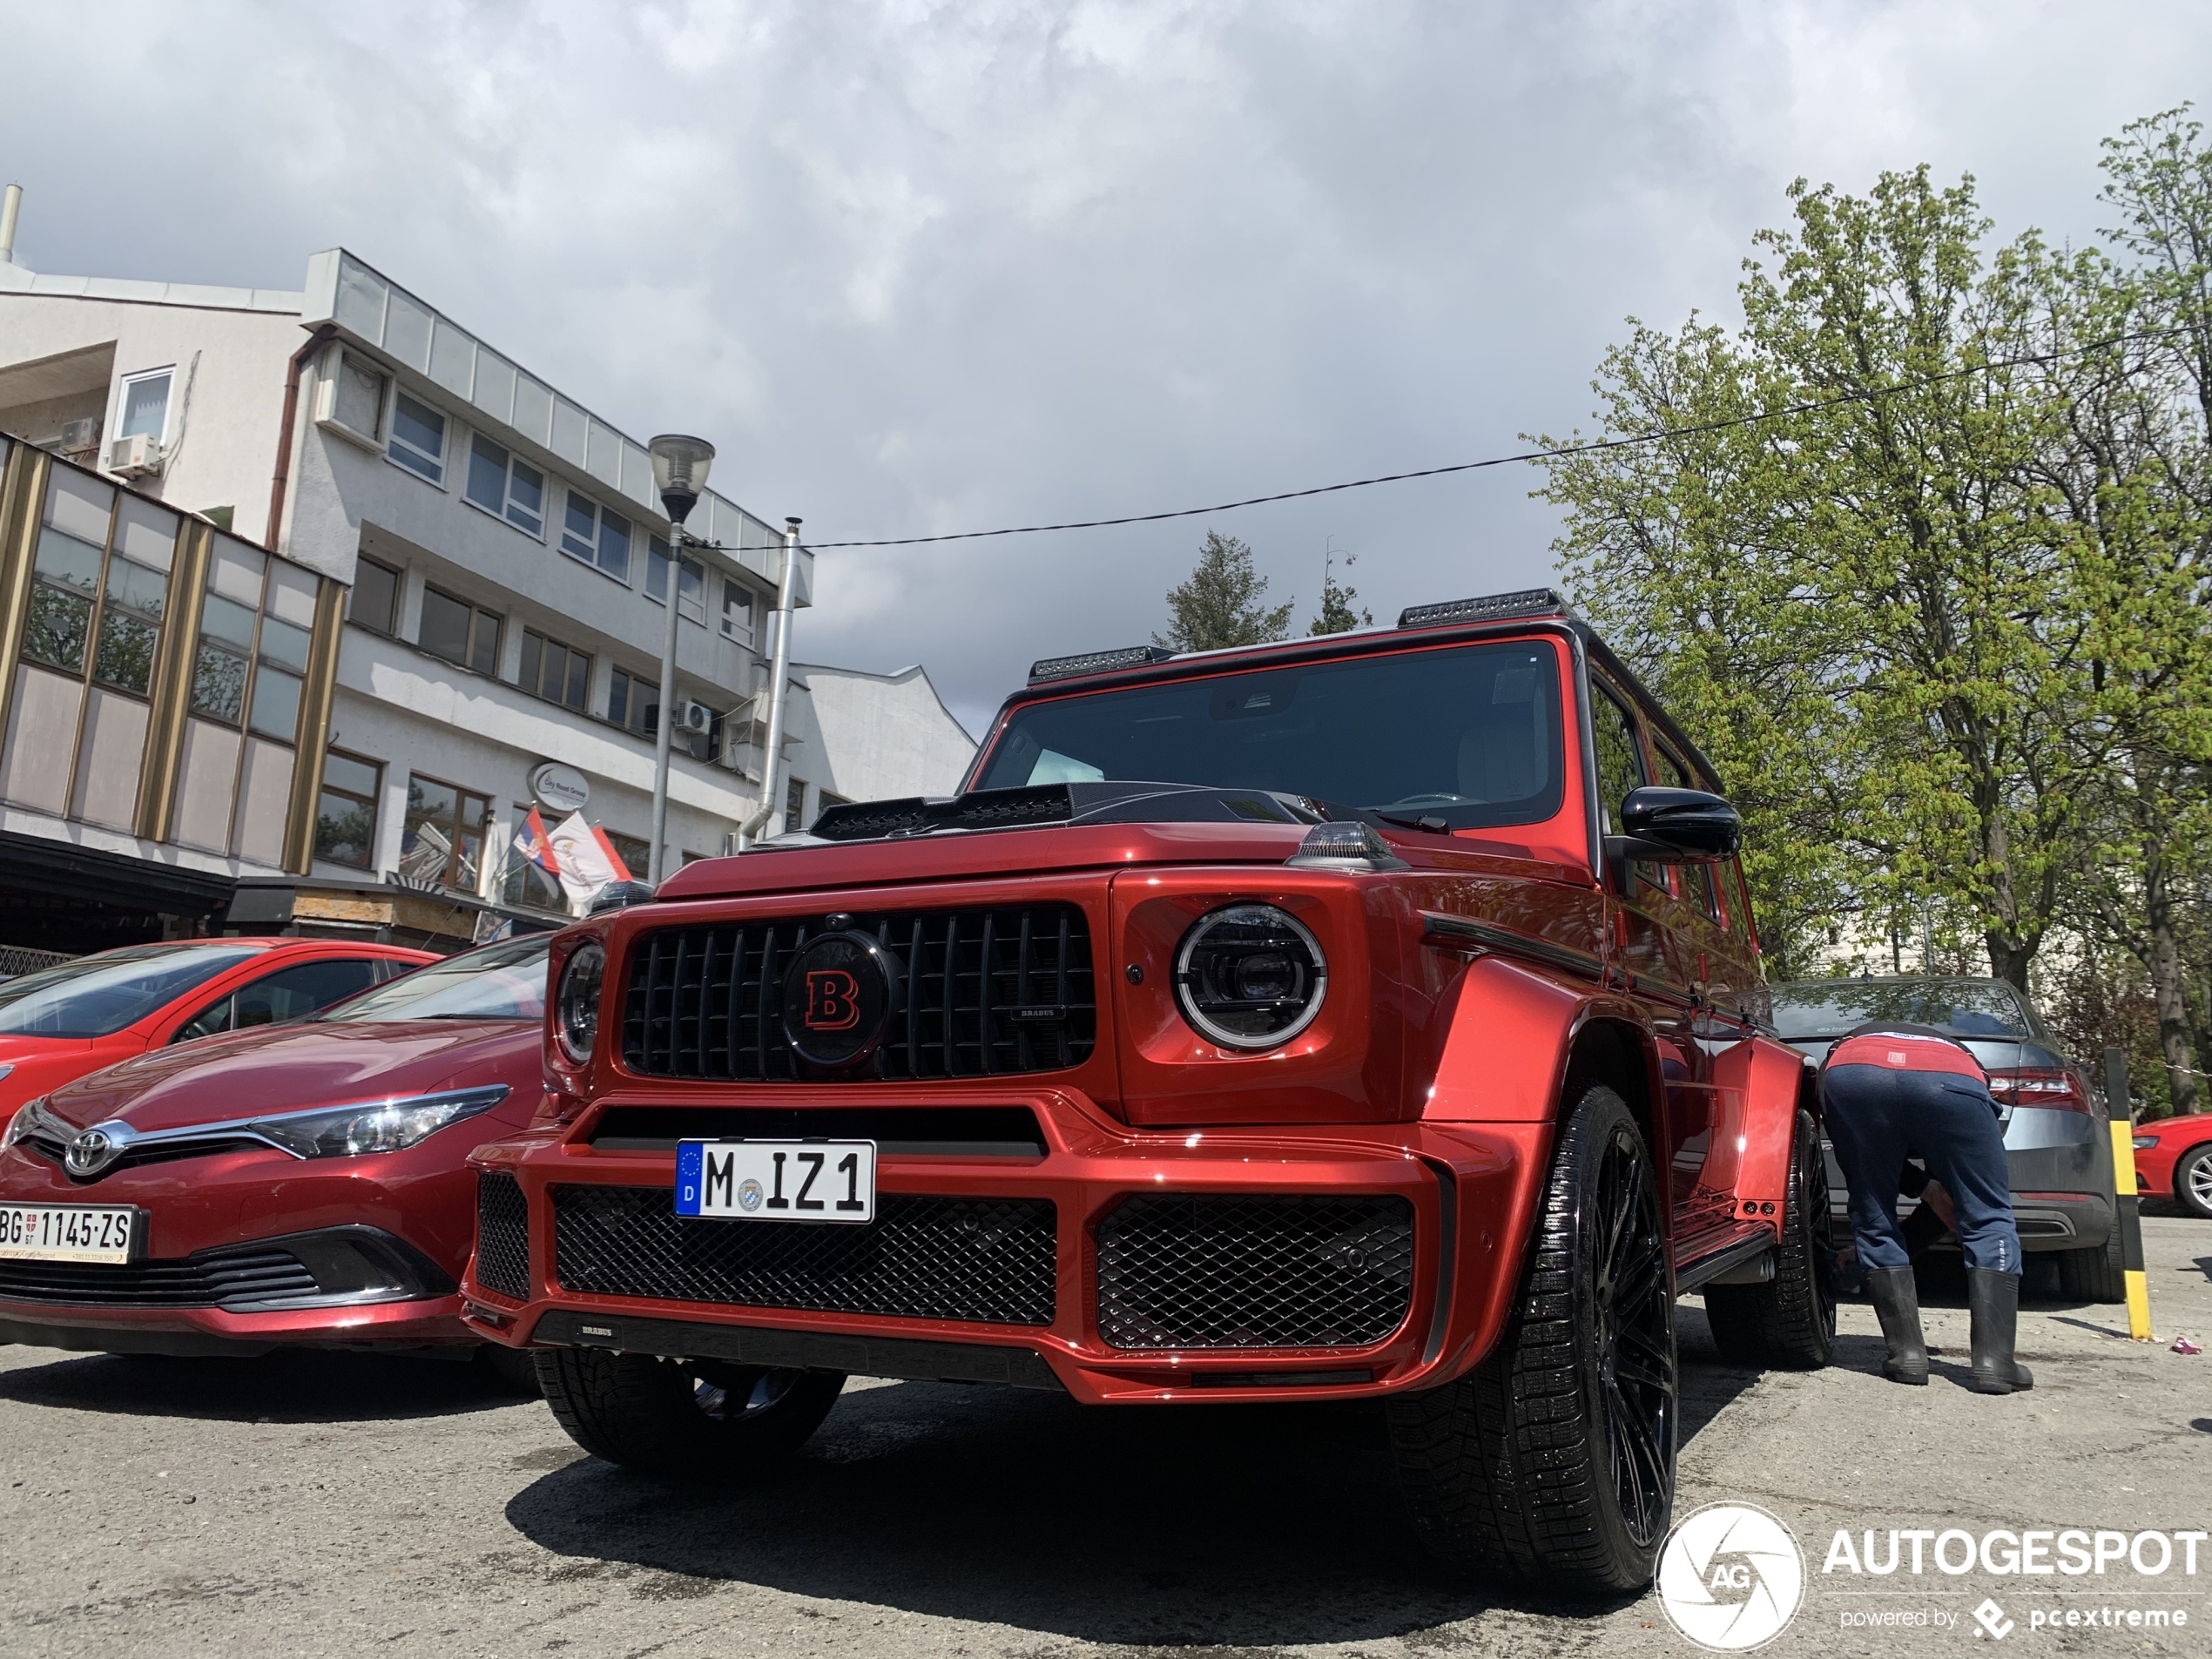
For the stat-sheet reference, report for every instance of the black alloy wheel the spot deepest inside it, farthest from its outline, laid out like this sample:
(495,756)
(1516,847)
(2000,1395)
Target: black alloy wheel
(1552,1463)
(1790,1321)
(683,1420)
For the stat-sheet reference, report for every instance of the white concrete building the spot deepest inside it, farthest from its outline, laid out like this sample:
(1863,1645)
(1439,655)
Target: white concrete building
(502,561)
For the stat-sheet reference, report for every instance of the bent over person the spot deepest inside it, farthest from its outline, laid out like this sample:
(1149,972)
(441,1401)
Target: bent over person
(1890,1090)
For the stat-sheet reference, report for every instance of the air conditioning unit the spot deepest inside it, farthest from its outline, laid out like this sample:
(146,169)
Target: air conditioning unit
(80,436)
(134,456)
(695,718)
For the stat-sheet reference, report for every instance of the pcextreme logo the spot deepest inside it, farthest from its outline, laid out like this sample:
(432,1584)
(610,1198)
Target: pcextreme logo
(1731,1577)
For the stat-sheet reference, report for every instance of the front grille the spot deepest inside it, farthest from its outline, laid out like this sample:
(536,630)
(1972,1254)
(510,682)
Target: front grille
(986,992)
(502,1234)
(1273,1270)
(234,1276)
(987,1259)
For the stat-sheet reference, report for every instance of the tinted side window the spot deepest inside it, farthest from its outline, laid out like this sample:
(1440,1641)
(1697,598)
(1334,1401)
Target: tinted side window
(1620,756)
(289,993)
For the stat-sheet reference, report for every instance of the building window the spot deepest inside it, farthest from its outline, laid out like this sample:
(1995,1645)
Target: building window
(418,438)
(597,536)
(737,611)
(557,672)
(375,601)
(505,486)
(460,632)
(633,701)
(443,841)
(253,641)
(346,817)
(828,798)
(694,605)
(637,857)
(794,803)
(146,406)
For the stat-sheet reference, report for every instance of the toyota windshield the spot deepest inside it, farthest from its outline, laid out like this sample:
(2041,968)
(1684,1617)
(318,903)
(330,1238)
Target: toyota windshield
(1469,734)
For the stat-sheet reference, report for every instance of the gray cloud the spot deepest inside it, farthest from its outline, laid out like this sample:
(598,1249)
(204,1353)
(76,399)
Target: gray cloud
(922,268)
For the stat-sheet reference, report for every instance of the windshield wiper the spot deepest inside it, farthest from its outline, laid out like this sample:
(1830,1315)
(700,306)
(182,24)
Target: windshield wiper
(1435,823)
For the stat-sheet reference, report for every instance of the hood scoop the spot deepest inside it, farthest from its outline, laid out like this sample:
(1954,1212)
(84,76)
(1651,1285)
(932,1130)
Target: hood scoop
(1043,805)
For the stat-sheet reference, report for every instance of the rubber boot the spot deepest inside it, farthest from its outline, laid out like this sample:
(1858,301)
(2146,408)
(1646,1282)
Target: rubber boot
(1896,1304)
(1993,1298)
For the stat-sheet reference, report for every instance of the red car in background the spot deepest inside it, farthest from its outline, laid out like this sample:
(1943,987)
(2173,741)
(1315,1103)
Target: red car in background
(303,1185)
(2173,1156)
(67,1021)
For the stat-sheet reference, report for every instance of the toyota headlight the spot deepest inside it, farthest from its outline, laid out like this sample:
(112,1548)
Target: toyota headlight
(575,1007)
(384,1126)
(1250,976)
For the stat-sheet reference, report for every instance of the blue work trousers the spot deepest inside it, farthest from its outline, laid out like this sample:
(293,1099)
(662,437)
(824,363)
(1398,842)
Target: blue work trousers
(1877,1116)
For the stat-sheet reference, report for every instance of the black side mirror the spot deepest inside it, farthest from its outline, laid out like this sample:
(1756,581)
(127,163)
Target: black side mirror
(1678,825)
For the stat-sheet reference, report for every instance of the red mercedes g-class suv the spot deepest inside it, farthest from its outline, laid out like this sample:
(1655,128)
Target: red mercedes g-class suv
(1368,1016)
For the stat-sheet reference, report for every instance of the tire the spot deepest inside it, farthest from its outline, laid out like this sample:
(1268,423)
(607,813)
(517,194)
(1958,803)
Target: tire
(1788,1321)
(2193,1182)
(672,1417)
(508,1370)
(1552,1465)
(2098,1275)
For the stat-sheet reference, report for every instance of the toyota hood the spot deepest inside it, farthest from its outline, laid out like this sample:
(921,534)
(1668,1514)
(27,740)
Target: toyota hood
(297,1067)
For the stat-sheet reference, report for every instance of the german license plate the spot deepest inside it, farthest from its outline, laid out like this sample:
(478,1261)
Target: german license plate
(39,1232)
(776,1180)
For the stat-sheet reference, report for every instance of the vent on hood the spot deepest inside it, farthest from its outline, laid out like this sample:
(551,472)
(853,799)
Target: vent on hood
(1082,803)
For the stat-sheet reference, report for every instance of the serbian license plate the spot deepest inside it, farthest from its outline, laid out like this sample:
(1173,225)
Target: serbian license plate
(776,1180)
(38,1232)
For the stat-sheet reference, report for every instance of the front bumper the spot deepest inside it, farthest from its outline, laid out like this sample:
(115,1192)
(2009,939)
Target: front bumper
(250,1250)
(1165,1304)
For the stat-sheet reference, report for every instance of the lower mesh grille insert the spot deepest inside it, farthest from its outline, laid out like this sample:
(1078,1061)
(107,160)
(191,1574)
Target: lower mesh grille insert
(987,1259)
(502,1234)
(1230,1270)
(234,1275)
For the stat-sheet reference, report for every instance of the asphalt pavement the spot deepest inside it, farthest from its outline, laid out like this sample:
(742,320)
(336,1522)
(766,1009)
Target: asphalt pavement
(325,1504)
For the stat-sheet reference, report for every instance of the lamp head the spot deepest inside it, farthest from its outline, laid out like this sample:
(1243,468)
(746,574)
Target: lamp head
(680,466)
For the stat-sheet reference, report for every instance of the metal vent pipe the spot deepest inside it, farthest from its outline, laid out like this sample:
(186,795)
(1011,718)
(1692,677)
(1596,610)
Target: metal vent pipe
(10,206)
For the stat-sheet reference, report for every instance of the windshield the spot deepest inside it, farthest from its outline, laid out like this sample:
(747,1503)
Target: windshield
(98,995)
(501,981)
(1961,1008)
(1469,734)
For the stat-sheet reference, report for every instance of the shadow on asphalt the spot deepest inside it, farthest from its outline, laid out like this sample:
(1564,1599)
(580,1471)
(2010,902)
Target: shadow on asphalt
(1244,1527)
(306,1387)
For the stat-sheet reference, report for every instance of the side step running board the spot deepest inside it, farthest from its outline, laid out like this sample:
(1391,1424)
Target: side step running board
(1747,1261)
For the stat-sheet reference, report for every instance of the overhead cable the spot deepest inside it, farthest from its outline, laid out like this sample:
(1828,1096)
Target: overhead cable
(1866,396)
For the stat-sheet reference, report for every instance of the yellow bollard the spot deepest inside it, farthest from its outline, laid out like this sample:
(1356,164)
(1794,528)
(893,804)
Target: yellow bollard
(2127,1213)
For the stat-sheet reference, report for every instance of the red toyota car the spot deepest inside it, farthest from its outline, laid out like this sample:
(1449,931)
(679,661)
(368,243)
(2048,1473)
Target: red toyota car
(307,1183)
(1376,1016)
(68,1022)
(2173,1158)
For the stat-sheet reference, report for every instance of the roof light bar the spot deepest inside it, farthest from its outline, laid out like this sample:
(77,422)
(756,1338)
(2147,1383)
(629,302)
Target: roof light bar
(1097,662)
(1490,607)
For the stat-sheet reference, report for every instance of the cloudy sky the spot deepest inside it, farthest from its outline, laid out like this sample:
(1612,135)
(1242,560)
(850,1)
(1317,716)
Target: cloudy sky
(920,268)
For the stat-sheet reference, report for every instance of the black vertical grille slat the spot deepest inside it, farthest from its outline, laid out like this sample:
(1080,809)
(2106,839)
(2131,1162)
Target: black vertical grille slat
(1000,990)
(502,1234)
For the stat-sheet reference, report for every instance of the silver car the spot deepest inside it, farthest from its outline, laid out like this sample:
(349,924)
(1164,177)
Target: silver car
(2057,1145)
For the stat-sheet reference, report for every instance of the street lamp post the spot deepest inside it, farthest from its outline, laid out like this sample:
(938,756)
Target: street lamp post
(679,474)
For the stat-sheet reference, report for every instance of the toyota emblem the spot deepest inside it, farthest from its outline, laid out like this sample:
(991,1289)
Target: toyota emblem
(96,1149)
(838,993)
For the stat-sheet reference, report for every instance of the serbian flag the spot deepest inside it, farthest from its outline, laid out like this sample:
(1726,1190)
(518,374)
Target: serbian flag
(536,845)
(588,859)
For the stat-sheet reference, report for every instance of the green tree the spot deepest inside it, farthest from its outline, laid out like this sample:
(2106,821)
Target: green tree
(1219,603)
(1337,615)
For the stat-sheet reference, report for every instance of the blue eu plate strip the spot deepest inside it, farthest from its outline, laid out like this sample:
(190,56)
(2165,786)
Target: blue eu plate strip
(688,1157)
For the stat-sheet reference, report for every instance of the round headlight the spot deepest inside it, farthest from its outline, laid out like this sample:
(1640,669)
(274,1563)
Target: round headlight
(576,1007)
(1250,976)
